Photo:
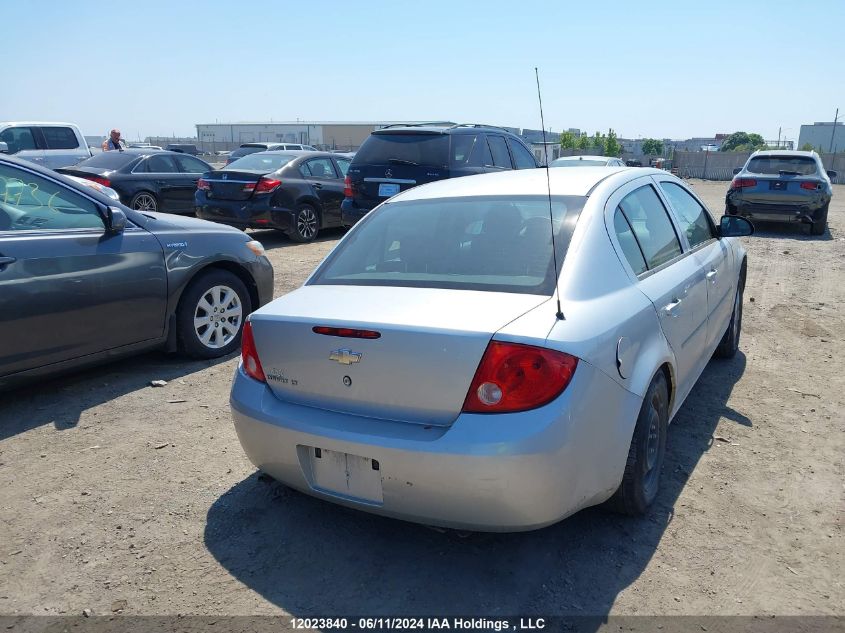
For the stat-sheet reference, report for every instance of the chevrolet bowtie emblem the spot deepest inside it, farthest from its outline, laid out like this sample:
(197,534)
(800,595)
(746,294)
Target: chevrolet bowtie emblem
(345,356)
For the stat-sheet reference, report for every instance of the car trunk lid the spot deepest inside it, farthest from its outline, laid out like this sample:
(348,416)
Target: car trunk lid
(227,184)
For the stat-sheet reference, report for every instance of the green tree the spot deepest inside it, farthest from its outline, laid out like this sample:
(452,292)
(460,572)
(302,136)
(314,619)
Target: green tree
(612,146)
(744,140)
(598,143)
(567,140)
(807,147)
(652,146)
(583,142)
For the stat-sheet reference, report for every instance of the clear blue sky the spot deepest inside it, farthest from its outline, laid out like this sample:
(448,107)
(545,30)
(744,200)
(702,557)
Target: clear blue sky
(663,69)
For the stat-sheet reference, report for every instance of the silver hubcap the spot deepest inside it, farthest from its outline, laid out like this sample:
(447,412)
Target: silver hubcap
(145,202)
(306,223)
(218,317)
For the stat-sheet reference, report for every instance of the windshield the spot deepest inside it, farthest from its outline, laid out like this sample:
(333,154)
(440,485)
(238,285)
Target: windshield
(801,165)
(572,162)
(261,162)
(431,150)
(109,160)
(497,244)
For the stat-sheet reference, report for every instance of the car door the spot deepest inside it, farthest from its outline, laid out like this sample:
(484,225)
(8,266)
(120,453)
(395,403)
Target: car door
(164,176)
(23,143)
(647,239)
(62,147)
(499,152)
(191,169)
(67,288)
(323,177)
(697,227)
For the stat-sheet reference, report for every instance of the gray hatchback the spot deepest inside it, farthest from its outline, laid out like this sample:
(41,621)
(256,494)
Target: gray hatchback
(84,279)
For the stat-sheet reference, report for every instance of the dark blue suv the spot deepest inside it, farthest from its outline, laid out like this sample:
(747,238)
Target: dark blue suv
(396,158)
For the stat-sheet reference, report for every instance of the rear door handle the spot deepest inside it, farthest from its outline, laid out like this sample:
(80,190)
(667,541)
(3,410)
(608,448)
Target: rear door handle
(7,260)
(161,182)
(669,308)
(712,274)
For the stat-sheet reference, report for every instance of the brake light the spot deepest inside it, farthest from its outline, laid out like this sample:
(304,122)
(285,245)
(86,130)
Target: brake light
(812,186)
(264,185)
(514,377)
(743,183)
(100,180)
(345,332)
(347,187)
(204,185)
(249,355)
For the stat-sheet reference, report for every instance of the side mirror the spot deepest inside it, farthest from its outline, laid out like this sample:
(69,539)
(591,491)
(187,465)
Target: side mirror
(735,226)
(4,148)
(737,170)
(115,221)
(832,174)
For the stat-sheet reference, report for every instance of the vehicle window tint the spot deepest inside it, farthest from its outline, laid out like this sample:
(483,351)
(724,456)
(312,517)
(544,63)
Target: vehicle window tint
(161,165)
(318,168)
(431,150)
(521,156)
(260,161)
(343,164)
(791,165)
(243,151)
(111,160)
(630,247)
(18,138)
(463,150)
(191,165)
(694,219)
(59,138)
(651,225)
(29,202)
(499,149)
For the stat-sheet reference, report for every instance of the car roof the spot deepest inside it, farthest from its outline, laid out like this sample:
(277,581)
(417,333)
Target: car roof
(36,123)
(561,182)
(784,152)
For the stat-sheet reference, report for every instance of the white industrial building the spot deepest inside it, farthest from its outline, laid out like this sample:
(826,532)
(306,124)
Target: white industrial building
(827,136)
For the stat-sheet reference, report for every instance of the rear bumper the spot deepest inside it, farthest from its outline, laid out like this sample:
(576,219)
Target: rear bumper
(350,212)
(768,210)
(244,214)
(484,472)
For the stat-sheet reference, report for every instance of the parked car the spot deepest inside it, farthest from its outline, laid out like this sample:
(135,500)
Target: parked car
(587,161)
(633,162)
(48,144)
(782,186)
(440,366)
(296,192)
(146,180)
(399,157)
(251,148)
(85,280)
(183,148)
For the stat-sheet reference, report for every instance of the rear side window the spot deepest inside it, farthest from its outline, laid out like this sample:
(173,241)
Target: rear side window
(693,218)
(318,168)
(60,138)
(18,139)
(431,150)
(191,165)
(791,165)
(499,149)
(630,247)
(651,225)
(343,165)
(521,156)
(160,165)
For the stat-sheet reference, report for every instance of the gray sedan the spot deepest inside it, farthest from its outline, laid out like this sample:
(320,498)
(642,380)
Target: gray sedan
(84,279)
(495,352)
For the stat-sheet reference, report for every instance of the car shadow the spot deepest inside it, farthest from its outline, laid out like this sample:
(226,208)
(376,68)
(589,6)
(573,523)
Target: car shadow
(313,558)
(60,400)
(789,231)
(273,239)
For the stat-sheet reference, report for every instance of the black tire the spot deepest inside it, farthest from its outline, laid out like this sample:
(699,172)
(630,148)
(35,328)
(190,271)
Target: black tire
(144,201)
(306,224)
(820,223)
(729,344)
(210,291)
(641,480)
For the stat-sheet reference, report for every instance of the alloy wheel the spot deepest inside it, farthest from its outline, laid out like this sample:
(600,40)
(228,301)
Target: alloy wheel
(218,317)
(145,202)
(306,223)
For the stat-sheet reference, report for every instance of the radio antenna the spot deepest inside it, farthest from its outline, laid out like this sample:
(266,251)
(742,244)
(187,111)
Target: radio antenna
(549,191)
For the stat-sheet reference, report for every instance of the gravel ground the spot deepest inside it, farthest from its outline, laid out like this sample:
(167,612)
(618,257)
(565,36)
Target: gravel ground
(121,497)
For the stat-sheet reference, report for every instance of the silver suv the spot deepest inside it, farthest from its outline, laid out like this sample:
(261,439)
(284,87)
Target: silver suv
(51,145)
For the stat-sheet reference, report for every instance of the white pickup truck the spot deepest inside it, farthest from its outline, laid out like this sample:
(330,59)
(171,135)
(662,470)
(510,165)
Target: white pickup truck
(52,145)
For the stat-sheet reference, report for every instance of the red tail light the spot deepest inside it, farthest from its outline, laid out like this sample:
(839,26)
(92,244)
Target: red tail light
(347,187)
(249,355)
(100,180)
(265,185)
(513,377)
(203,184)
(743,183)
(812,186)
(345,332)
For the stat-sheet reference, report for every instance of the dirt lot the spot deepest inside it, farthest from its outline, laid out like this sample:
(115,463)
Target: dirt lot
(117,495)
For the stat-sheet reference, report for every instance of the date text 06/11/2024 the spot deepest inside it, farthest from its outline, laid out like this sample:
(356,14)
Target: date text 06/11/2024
(418,624)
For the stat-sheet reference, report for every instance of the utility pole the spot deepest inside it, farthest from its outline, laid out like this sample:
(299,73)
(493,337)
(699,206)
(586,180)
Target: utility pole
(832,134)
(778,138)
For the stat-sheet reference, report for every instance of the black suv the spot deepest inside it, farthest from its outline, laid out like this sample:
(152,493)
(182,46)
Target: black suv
(398,157)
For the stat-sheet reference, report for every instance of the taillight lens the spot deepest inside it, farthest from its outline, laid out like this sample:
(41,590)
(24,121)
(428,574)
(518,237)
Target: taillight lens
(249,355)
(812,186)
(265,185)
(100,180)
(203,184)
(513,377)
(743,183)
(347,187)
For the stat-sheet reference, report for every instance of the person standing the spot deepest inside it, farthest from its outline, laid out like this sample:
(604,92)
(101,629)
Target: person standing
(113,142)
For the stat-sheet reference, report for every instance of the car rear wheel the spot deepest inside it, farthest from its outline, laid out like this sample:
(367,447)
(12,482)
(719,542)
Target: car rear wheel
(820,223)
(211,314)
(144,201)
(307,224)
(729,344)
(641,479)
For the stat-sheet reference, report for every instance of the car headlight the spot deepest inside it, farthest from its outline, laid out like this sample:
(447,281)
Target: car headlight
(256,247)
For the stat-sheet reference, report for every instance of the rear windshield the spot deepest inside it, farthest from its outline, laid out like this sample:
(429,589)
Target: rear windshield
(799,165)
(431,150)
(479,243)
(261,161)
(243,151)
(579,163)
(110,160)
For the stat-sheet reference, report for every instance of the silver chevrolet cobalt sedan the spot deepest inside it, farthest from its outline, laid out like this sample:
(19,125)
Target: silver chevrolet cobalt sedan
(495,352)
